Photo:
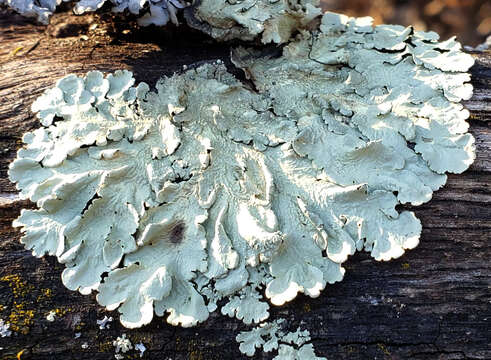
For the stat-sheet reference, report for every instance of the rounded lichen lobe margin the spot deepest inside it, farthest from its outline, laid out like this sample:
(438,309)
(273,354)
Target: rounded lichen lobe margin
(205,190)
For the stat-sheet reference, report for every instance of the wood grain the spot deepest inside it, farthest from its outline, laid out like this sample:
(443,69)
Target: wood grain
(433,303)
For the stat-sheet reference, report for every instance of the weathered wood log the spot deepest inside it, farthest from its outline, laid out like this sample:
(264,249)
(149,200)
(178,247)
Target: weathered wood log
(433,303)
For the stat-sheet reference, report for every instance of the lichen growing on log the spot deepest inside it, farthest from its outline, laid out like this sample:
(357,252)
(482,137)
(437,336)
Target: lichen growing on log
(208,189)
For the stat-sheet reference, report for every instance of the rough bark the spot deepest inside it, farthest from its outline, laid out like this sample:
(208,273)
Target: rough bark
(433,303)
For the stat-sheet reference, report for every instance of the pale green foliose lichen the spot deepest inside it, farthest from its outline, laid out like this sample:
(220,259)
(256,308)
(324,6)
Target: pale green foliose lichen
(270,336)
(205,189)
(270,20)
(158,12)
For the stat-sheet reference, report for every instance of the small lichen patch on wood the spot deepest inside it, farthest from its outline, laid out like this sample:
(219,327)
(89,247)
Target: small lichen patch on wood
(271,337)
(21,316)
(45,294)
(105,346)
(19,287)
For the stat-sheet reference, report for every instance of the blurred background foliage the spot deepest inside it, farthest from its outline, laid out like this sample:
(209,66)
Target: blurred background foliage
(469,20)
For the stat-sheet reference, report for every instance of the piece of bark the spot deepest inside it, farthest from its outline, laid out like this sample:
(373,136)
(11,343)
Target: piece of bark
(433,303)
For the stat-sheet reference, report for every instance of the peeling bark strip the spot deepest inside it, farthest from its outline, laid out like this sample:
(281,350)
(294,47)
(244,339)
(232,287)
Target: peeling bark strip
(432,303)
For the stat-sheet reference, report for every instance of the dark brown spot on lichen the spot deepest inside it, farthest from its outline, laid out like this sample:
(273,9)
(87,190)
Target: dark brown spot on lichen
(176,233)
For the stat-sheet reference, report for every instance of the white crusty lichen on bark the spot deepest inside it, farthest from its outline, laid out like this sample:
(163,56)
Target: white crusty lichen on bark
(206,189)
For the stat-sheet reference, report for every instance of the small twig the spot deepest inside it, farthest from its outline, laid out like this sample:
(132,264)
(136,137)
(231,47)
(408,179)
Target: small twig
(35,45)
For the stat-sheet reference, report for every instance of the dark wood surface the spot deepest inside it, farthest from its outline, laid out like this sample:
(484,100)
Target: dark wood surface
(433,303)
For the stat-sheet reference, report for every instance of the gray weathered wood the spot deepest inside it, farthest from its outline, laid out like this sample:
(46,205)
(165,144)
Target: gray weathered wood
(433,303)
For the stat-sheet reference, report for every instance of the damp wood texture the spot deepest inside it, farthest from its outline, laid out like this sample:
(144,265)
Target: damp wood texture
(431,303)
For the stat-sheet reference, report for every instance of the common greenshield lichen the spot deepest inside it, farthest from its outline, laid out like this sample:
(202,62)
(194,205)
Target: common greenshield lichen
(268,20)
(270,336)
(157,12)
(206,189)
